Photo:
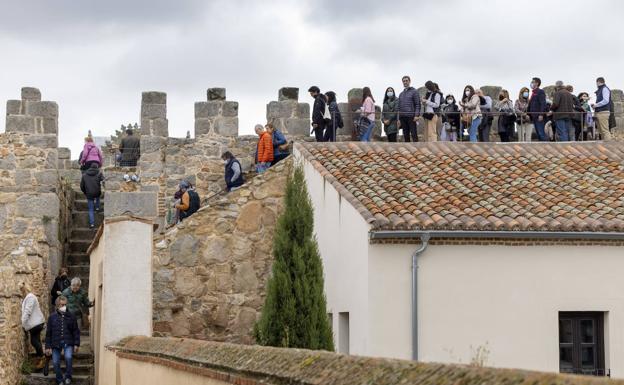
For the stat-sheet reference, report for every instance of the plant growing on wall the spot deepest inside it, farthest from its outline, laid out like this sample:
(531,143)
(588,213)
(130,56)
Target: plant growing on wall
(294,313)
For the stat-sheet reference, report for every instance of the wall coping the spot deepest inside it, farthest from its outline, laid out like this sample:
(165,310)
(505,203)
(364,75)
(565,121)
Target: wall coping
(267,365)
(121,218)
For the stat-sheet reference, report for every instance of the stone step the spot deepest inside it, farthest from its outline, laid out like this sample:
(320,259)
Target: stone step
(81,271)
(81,219)
(82,233)
(79,245)
(77,258)
(39,379)
(82,205)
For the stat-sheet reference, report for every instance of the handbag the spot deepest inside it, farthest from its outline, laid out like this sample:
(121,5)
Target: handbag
(327,115)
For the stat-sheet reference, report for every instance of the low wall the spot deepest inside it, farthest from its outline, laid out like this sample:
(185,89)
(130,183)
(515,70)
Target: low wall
(154,361)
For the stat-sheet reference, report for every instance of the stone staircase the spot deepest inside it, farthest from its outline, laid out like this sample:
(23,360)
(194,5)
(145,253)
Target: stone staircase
(78,263)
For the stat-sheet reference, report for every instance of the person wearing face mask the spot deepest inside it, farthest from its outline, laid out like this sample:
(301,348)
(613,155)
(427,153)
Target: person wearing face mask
(587,120)
(603,108)
(390,114)
(506,116)
(524,121)
(61,282)
(32,321)
(77,299)
(62,336)
(537,108)
(432,102)
(471,111)
(487,119)
(233,172)
(409,110)
(336,118)
(450,120)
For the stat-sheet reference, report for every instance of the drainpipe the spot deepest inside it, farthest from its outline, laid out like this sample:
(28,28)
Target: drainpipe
(424,238)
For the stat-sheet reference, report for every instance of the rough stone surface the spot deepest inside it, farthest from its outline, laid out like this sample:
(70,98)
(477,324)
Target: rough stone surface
(13,107)
(217,262)
(138,204)
(20,123)
(288,93)
(215,93)
(42,109)
(153,97)
(31,94)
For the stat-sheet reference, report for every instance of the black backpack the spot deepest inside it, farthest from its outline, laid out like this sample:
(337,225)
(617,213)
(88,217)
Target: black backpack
(193,202)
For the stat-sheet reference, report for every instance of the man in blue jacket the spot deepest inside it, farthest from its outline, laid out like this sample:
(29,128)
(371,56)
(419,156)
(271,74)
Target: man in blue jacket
(537,108)
(62,334)
(409,110)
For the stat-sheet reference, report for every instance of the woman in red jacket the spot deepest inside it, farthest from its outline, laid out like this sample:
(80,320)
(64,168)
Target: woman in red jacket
(264,151)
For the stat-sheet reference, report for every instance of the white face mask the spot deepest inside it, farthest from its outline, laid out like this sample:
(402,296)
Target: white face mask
(449,101)
(390,94)
(525,94)
(533,86)
(63,309)
(467,93)
(225,161)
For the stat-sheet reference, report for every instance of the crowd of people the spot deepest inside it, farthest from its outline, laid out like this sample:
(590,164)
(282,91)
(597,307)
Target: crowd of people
(62,329)
(565,117)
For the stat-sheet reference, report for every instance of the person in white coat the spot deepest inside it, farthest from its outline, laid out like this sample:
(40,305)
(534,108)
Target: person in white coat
(32,321)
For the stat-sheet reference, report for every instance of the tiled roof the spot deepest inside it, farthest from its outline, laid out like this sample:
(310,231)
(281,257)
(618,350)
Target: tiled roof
(478,186)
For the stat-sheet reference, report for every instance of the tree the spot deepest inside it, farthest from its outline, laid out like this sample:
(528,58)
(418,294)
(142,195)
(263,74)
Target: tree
(294,313)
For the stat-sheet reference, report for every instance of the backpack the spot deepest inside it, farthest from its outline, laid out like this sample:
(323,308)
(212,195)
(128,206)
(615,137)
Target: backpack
(193,202)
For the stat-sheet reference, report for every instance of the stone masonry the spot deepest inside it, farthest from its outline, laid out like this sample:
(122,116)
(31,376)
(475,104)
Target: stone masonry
(210,272)
(31,115)
(154,114)
(288,115)
(350,116)
(217,115)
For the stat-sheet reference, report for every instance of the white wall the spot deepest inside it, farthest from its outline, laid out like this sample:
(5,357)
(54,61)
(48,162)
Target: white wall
(504,298)
(342,236)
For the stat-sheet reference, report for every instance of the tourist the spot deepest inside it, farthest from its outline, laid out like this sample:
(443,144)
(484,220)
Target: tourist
(280,144)
(525,125)
(390,114)
(189,203)
(264,149)
(588,117)
(77,299)
(471,112)
(368,112)
(318,113)
(91,187)
(409,110)
(602,108)
(90,154)
(450,120)
(32,321)
(130,149)
(62,336)
(336,117)
(563,111)
(61,282)
(432,101)
(537,108)
(233,172)
(487,118)
(577,117)
(506,116)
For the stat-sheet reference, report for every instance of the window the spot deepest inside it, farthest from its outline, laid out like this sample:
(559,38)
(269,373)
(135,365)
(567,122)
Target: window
(581,343)
(343,332)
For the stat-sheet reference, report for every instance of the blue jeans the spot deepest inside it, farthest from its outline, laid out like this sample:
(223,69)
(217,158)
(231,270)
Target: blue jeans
(56,362)
(369,132)
(539,128)
(474,128)
(563,129)
(93,203)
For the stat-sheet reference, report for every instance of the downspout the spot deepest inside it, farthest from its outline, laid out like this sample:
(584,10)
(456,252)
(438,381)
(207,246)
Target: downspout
(424,238)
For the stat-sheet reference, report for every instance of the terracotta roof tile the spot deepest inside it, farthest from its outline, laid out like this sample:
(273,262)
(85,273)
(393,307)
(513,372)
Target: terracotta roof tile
(478,186)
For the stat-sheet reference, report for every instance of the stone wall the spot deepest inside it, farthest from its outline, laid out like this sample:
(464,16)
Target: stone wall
(349,115)
(216,116)
(288,115)
(31,115)
(154,114)
(29,230)
(222,363)
(211,271)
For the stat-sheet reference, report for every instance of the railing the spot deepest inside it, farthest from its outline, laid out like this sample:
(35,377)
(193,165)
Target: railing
(117,154)
(587,372)
(457,126)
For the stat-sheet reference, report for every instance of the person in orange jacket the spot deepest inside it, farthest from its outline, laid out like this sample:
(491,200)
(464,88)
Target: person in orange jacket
(264,151)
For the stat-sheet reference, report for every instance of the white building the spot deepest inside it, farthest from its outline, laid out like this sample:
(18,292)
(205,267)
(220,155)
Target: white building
(508,255)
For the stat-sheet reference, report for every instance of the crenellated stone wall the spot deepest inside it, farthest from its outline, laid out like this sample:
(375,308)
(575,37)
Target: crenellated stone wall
(31,115)
(154,114)
(211,271)
(288,115)
(217,115)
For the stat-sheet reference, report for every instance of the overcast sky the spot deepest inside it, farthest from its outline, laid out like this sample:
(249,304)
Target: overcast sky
(95,57)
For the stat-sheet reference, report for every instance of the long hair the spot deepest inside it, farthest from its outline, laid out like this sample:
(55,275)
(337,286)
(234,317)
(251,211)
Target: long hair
(472,92)
(521,92)
(366,93)
(386,94)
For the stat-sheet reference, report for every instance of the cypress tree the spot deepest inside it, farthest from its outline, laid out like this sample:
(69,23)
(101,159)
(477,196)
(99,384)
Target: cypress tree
(294,313)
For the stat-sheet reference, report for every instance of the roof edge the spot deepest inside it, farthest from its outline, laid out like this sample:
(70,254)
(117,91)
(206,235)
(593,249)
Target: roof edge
(416,234)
